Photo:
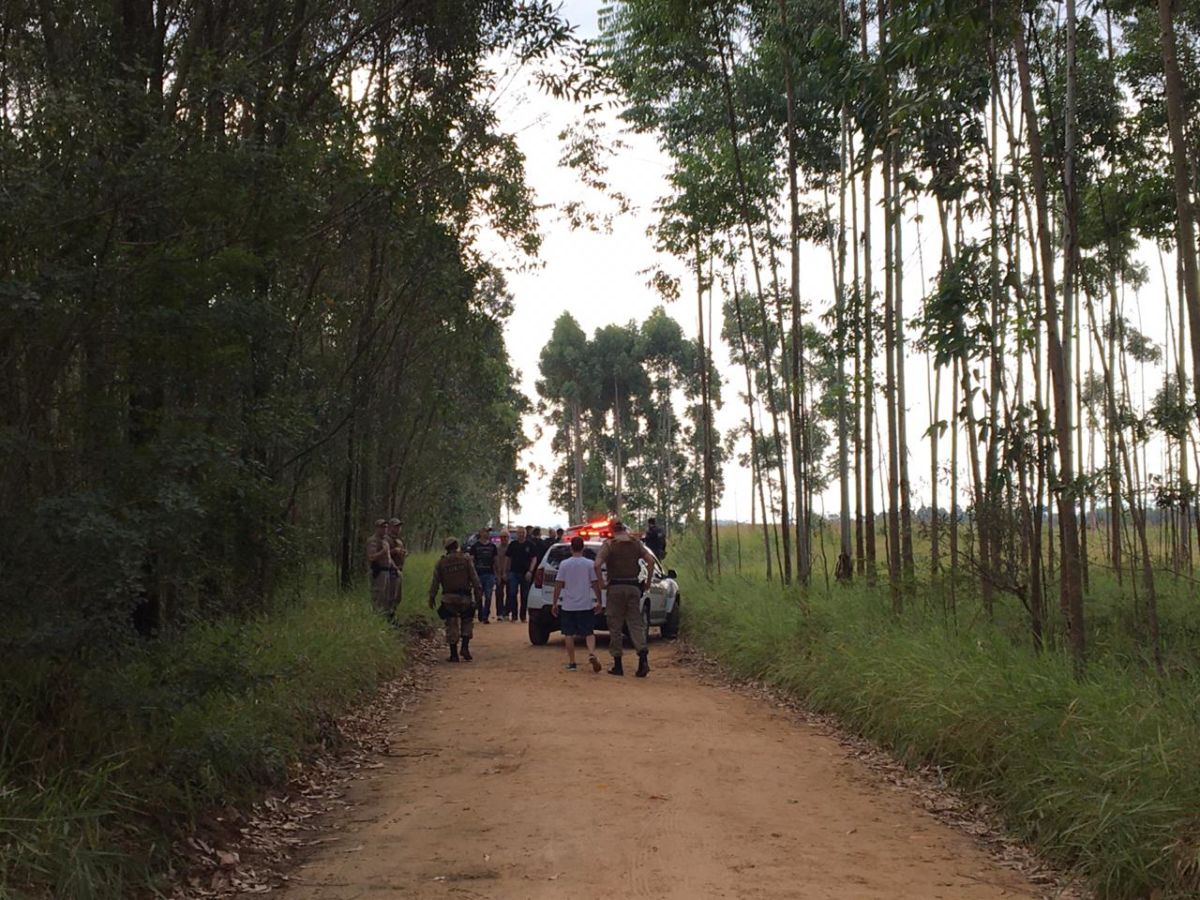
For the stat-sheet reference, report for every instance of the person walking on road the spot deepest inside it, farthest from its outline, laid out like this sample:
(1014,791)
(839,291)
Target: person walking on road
(520,574)
(577,594)
(654,539)
(620,556)
(485,556)
(398,553)
(503,596)
(455,575)
(379,561)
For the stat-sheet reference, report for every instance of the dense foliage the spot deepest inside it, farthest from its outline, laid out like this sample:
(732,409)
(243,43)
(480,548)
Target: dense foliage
(242,311)
(149,745)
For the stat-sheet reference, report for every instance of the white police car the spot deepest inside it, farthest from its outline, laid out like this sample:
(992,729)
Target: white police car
(660,591)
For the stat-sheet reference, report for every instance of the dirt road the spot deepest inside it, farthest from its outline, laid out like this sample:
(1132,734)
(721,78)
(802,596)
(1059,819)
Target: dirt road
(516,779)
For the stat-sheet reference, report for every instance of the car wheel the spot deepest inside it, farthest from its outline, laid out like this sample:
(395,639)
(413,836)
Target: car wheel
(670,628)
(539,632)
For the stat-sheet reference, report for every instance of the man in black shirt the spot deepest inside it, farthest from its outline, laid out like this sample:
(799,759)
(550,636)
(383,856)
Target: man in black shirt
(485,556)
(520,555)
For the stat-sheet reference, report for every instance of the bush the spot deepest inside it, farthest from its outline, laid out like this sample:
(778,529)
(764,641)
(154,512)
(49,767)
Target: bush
(101,766)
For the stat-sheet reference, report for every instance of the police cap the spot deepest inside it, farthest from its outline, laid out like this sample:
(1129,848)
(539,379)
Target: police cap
(379,522)
(394,521)
(451,544)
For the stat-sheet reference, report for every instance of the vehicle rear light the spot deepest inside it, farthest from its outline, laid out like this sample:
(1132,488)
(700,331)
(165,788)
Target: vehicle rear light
(539,578)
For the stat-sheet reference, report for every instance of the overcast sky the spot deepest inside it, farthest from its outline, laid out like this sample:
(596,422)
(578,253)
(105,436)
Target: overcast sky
(601,279)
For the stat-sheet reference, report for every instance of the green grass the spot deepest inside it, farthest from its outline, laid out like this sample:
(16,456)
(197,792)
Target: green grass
(1101,774)
(101,767)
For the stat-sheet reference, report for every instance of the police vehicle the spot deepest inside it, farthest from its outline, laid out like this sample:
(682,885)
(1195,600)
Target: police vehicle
(660,591)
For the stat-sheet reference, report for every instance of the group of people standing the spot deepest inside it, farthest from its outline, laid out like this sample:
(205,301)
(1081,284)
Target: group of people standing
(506,569)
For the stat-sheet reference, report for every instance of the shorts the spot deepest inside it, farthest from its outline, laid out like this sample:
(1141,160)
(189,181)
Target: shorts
(577,622)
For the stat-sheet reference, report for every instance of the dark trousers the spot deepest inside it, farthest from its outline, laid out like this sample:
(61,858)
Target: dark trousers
(488,580)
(502,597)
(518,587)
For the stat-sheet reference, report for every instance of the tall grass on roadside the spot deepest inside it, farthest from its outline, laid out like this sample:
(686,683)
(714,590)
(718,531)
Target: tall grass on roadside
(101,767)
(1100,774)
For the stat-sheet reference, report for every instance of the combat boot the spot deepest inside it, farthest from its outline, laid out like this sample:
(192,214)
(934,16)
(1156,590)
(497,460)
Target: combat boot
(616,669)
(466,649)
(453,653)
(643,668)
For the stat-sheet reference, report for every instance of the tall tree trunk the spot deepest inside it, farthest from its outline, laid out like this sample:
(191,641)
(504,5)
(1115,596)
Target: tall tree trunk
(906,528)
(868,329)
(346,554)
(889,336)
(935,560)
(1185,213)
(705,414)
(796,383)
(755,460)
(768,344)
(1071,588)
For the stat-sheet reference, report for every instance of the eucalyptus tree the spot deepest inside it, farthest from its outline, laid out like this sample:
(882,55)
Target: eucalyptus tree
(564,383)
(612,401)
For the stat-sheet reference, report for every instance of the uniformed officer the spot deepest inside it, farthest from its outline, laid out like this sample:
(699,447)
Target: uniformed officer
(620,554)
(379,558)
(655,539)
(455,575)
(398,554)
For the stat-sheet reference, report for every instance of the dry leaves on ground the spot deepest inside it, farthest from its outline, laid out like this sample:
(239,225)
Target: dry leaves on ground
(235,851)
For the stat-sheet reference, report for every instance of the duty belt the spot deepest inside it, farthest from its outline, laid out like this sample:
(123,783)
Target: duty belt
(631,582)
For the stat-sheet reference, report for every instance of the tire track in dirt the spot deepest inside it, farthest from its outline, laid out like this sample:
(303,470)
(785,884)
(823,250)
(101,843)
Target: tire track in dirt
(516,779)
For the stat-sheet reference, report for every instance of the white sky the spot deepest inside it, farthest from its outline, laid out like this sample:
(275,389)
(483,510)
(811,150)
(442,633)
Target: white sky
(601,279)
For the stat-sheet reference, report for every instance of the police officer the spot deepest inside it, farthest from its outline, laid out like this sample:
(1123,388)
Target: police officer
(655,539)
(455,575)
(398,553)
(621,553)
(379,561)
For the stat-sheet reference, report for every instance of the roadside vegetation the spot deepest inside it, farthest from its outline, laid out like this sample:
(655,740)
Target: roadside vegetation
(104,766)
(1097,772)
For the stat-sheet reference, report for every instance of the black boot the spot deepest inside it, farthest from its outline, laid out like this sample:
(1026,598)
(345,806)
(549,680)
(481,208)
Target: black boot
(466,649)
(616,667)
(643,668)
(453,653)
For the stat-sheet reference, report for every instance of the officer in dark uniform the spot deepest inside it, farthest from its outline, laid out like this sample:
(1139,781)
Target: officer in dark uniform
(455,575)
(654,539)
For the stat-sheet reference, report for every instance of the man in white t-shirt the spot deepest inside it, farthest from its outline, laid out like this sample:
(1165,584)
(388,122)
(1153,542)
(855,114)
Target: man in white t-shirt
(577,593)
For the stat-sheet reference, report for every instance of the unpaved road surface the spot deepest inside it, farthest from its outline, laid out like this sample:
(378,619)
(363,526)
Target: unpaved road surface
(513,778)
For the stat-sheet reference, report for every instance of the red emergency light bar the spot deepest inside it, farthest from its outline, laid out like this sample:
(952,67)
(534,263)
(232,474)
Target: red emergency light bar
(599,529)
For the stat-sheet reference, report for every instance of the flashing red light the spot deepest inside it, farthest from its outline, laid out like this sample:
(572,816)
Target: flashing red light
(602,528)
